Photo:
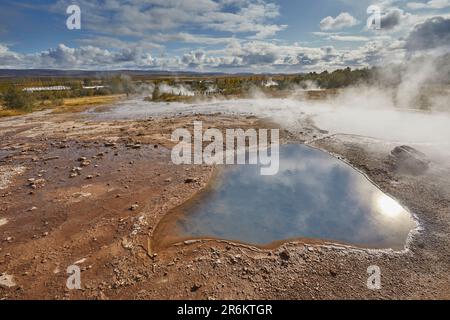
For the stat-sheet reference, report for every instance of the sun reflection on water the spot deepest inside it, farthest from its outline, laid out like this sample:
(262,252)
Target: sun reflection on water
(388,206)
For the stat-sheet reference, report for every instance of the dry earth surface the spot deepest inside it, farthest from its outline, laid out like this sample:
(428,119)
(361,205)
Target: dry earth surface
(75,191)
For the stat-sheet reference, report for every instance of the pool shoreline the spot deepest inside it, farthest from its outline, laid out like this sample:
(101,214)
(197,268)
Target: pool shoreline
(160,238)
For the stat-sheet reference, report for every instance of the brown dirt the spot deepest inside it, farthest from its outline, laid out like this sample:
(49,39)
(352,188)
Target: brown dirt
(54,221)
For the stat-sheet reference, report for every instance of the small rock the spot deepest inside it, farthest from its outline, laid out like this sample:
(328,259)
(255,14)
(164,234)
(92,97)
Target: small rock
(80,261)
(409,160)
(190,180)
(85,163)
(3,221)
(7,280)
(126,244)
(284,255)
(134,207)
(195,287)
(36,183)
(51,158)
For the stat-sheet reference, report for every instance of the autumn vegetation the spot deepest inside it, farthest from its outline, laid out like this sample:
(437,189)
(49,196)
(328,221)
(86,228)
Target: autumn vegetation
(14,100)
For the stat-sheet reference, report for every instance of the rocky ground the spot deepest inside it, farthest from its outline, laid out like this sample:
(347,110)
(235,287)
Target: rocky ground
(90,193)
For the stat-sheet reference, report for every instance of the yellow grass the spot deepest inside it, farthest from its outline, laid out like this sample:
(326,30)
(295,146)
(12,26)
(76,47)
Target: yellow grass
(10,113)
(69,105)
(83,103)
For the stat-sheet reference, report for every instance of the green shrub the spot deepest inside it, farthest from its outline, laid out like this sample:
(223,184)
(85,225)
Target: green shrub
(17,99)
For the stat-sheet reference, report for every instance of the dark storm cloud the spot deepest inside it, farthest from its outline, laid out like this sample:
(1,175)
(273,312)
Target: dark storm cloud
(391,19)
(257,59)
(431,34)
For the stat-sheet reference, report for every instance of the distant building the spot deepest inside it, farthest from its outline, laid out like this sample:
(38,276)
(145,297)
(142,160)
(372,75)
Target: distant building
(94,87)
(53,88)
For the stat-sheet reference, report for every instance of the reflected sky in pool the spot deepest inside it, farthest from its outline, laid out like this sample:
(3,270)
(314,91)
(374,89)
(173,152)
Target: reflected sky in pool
(314,196)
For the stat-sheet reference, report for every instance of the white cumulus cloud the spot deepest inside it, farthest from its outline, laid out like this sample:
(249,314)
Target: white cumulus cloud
(433,4)
(343,20)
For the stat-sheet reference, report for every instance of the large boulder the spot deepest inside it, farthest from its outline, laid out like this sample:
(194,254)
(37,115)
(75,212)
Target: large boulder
(408,160)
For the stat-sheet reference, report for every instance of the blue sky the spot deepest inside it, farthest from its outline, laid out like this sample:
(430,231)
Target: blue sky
(218,35)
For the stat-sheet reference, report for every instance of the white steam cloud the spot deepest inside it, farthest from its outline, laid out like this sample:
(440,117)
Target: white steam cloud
(408,105)
(178,90)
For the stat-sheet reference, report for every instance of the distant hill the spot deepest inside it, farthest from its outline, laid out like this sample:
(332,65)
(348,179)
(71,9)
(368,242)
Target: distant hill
(18,73)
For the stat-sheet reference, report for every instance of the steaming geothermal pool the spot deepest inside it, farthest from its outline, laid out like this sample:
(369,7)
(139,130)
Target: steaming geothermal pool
(314,196)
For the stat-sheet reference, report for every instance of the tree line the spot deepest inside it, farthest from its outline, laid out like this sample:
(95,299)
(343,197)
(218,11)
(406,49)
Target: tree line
(13,96)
